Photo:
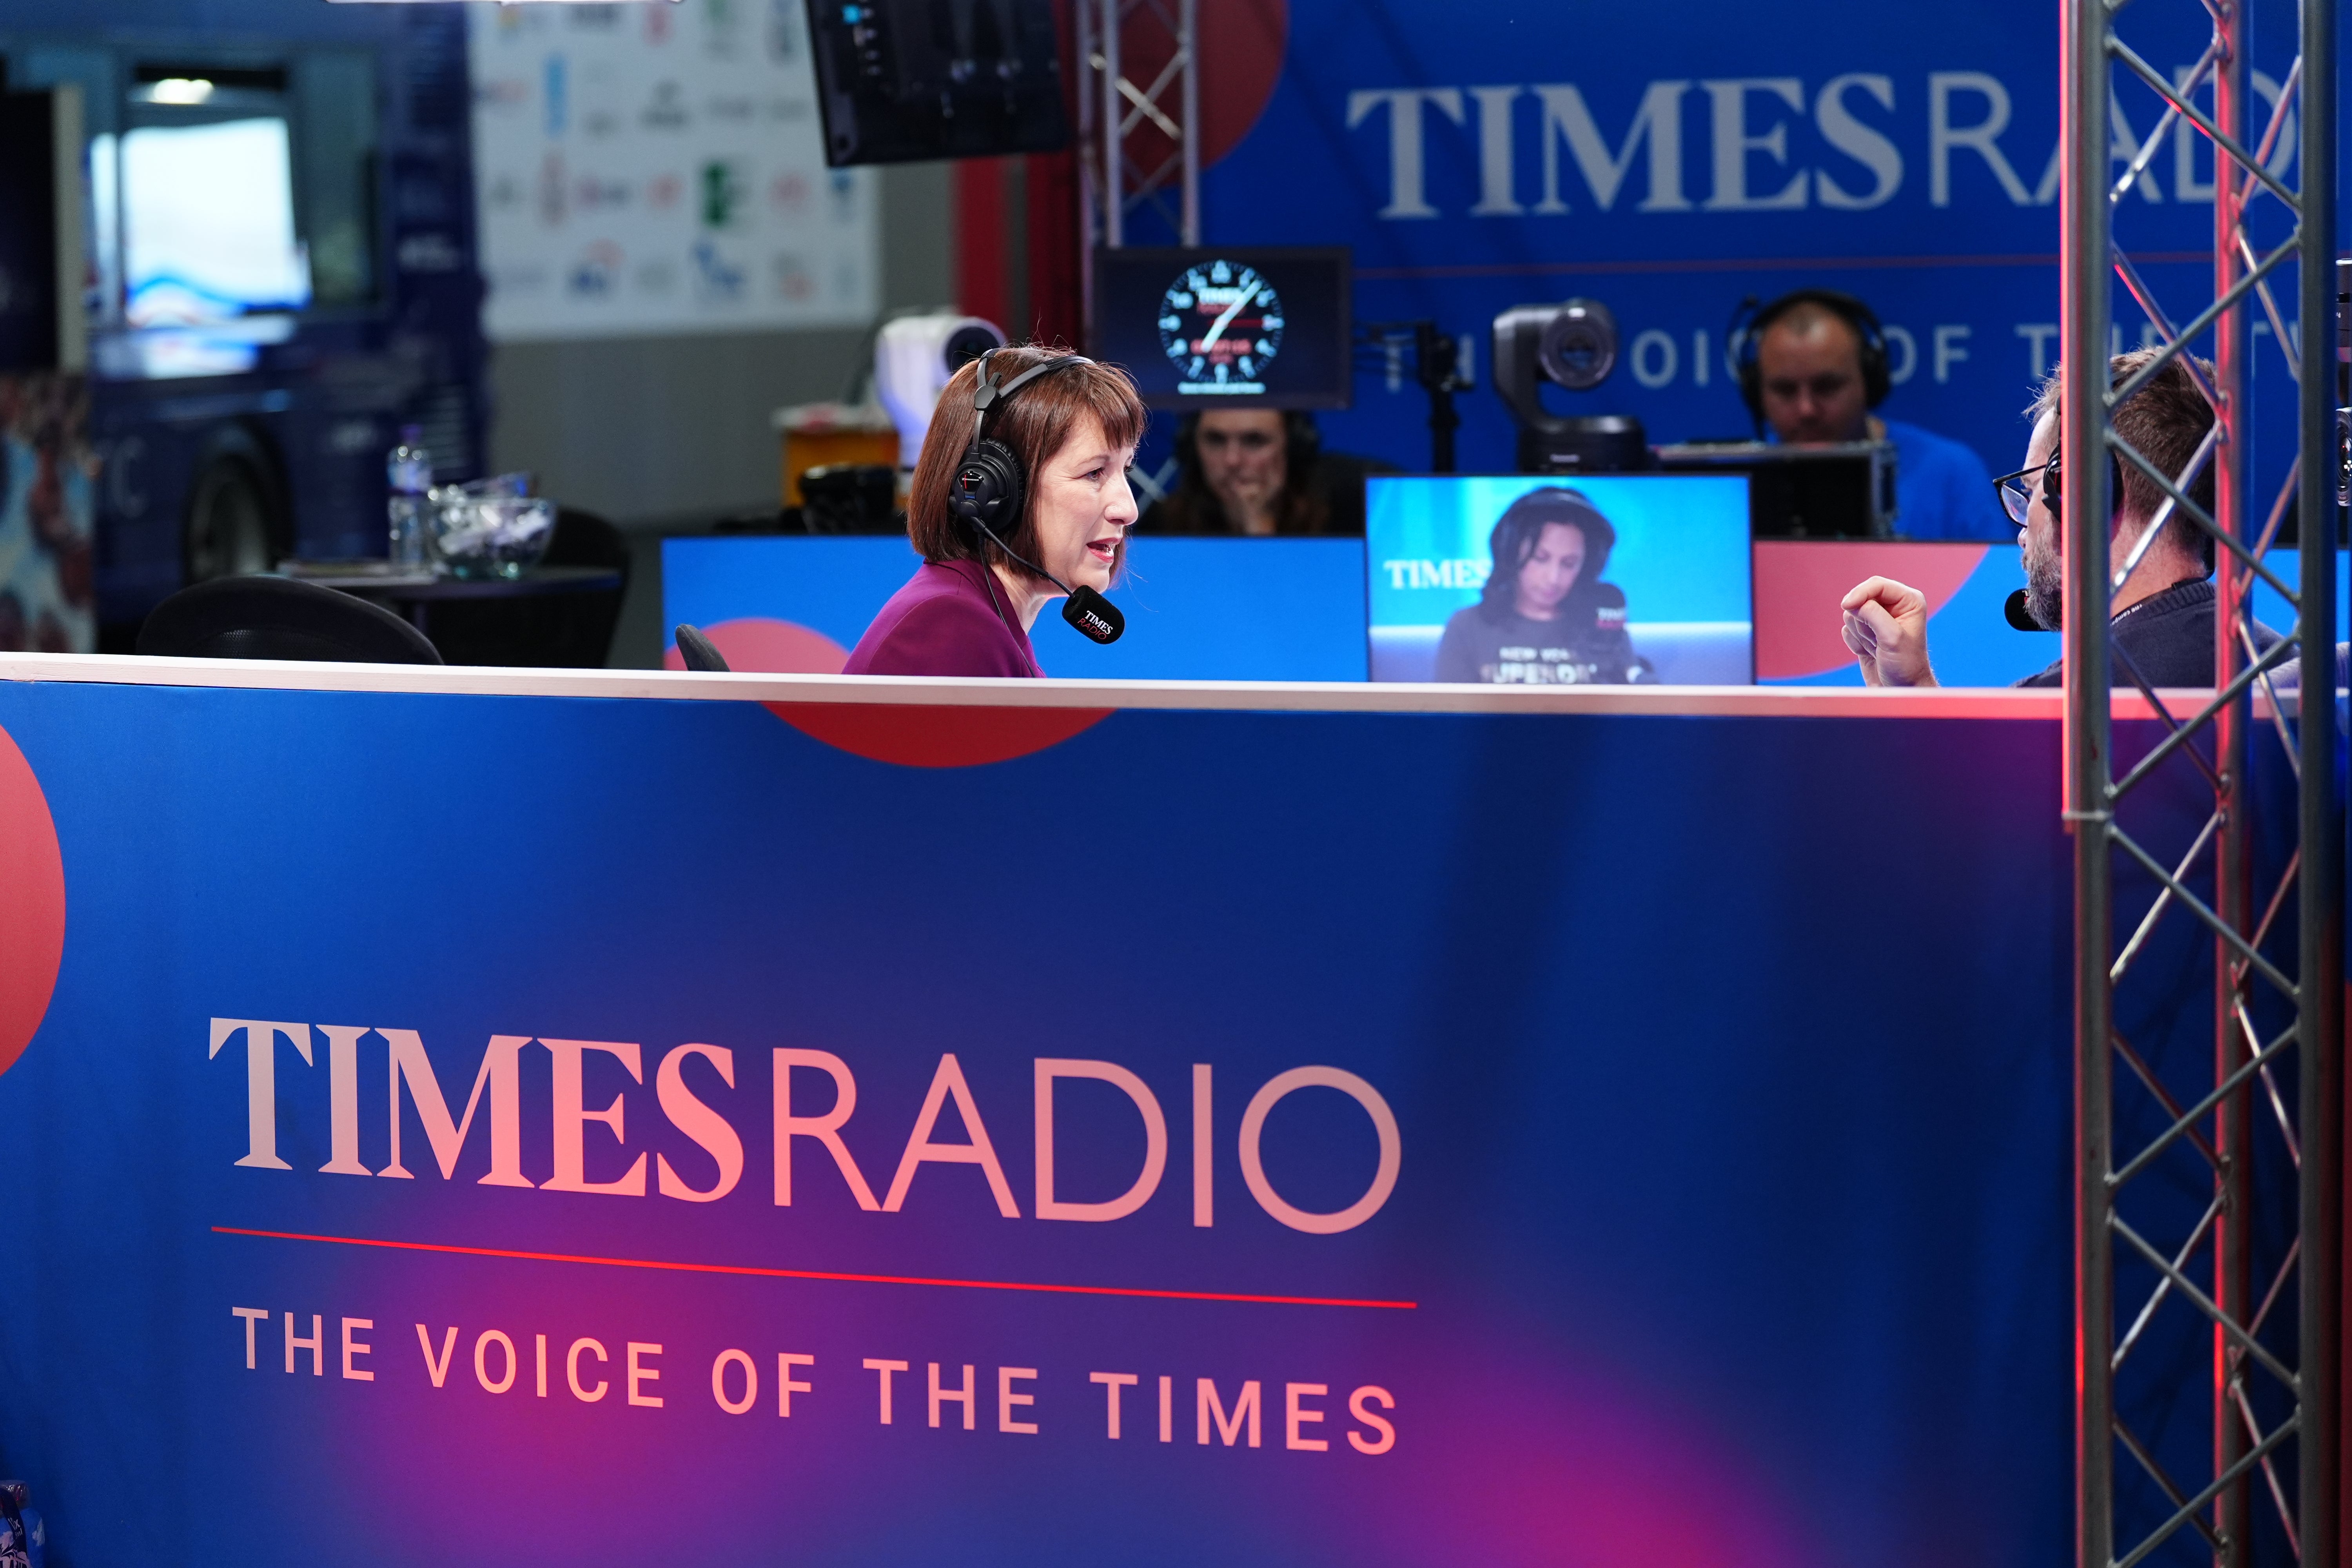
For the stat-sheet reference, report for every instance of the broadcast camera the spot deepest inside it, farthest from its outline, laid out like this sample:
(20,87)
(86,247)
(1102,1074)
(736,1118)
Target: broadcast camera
(913,358)
(1574,346)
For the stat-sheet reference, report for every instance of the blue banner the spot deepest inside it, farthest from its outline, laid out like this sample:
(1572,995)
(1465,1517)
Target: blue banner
(1296,609)
(1673,160)
(514,1123)
(1197,609)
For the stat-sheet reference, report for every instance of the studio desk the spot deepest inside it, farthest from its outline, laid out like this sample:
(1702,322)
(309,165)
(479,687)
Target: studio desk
(504,1115)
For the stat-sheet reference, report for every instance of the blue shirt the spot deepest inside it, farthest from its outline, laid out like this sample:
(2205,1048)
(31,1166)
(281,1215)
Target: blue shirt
(1941,488)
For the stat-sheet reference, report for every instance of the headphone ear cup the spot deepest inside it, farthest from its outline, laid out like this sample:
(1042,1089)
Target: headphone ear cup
(1751,378)
(1877,381)
(1188,443)
(2054,488)
(987,490)
(1303,439)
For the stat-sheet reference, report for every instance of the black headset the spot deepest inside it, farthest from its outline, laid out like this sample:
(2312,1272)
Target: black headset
(1750,323)
(990,490)
(2053,486)
(2054,496)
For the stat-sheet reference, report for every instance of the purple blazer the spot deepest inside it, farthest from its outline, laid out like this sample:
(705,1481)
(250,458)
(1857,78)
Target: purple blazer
(943,622)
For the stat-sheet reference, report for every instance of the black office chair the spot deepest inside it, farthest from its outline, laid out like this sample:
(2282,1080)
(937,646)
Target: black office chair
(699,652)
(278,617)
(567,631)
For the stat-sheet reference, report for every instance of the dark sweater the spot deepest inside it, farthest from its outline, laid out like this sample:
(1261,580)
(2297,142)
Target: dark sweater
(2168,638)
(945,621)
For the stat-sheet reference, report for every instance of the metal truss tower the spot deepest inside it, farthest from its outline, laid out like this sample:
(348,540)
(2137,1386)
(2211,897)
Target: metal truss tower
(1139,140)
(2171,1217)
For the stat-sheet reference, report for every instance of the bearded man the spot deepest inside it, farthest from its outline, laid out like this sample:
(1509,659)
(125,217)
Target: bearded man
(2162,615)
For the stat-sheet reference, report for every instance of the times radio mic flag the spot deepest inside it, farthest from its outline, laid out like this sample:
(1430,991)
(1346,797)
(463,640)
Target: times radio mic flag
(1093,614)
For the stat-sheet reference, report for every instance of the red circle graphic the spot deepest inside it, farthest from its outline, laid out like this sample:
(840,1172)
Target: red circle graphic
(936,737)
(1243,43)
(32,903)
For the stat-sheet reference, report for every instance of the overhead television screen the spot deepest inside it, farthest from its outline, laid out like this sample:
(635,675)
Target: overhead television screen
(1537,581)
(901,80)
(1227,329)
(208,222)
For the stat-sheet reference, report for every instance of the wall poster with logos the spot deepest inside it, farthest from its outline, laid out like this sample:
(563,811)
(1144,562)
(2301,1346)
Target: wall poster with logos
(659,169)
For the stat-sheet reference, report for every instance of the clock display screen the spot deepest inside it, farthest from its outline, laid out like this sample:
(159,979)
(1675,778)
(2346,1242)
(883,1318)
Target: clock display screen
(1249,328)
(1221,326)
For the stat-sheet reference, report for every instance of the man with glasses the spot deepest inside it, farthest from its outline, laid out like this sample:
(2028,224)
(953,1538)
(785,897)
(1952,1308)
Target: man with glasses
(2163,614)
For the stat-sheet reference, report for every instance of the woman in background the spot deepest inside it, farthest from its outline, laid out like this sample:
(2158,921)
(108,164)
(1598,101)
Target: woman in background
(1545,619)
(1260,472)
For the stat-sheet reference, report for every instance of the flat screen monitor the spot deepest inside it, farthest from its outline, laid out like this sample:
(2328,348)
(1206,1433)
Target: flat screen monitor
(208,222)
(1841,491)
(901,80)
(1227,328)
(1639,579)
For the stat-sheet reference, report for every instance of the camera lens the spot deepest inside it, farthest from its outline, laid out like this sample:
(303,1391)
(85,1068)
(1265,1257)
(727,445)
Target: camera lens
(1580,353)
(967,343)
(1580,345)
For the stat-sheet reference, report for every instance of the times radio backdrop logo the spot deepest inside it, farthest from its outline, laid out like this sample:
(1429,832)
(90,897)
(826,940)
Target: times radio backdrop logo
(814,1096)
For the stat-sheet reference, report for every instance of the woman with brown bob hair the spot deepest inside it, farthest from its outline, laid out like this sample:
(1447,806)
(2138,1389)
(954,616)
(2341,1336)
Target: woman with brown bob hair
(967,608)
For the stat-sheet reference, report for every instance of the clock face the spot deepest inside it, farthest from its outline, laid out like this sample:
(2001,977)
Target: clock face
(1221,326)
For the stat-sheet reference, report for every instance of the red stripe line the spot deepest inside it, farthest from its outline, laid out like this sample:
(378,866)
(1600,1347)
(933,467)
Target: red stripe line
(816,1274)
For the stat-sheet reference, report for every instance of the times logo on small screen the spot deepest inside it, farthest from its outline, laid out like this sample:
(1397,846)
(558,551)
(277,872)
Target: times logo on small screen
(1221,325)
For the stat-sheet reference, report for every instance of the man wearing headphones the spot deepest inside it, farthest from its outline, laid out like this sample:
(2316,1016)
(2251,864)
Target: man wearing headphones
(1258,471)
(2163,614)
(1812,365)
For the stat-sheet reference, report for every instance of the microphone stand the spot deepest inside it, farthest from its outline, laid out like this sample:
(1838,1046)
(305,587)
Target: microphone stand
(1436,360)
(1436,369)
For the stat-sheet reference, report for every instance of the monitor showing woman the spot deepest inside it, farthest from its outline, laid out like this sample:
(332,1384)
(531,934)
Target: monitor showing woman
(1045,507)
(1545,617)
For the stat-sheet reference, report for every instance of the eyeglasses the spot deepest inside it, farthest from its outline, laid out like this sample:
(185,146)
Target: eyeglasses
(2017,491)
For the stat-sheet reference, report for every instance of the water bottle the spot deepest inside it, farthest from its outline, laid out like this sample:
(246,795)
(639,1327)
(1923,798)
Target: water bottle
(410,469)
